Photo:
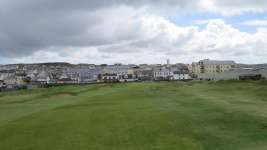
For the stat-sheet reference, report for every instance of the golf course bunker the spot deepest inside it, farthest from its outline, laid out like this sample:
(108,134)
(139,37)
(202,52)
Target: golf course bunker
(63,94)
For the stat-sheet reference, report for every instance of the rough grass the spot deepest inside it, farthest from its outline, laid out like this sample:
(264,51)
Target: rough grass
(226,115)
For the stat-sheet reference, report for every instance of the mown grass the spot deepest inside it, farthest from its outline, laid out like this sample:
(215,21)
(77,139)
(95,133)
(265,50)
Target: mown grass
(225,115)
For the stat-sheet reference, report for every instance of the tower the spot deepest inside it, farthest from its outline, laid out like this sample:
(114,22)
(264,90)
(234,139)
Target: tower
(168,62)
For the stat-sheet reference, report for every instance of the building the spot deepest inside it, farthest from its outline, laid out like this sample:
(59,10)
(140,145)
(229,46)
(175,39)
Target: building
(83,75)
(263,72)
(2,84)
(234,74)
(250,77)
(6,73)
(89,75)
(212,66)
(118,69)
(65,79)
(127,78)
(181,75)
(144,74)
(9,67)
(168,63)
(43,77)
(108,77)
(17,75)
(189,67)
(161,73)
(122,71)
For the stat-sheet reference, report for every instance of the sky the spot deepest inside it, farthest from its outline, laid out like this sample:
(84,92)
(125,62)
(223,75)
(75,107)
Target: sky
(132,31)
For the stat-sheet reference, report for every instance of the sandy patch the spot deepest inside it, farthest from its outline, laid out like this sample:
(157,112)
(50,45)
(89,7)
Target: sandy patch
(63,94)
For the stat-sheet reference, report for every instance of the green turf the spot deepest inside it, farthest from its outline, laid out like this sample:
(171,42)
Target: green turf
(228,115)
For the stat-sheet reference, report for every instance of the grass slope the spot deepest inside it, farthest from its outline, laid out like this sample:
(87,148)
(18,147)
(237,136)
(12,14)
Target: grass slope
(137,116)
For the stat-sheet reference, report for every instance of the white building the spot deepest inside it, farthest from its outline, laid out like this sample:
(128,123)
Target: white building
(180,75)
(161,73)
(263,72)
(110,77)
(43,77)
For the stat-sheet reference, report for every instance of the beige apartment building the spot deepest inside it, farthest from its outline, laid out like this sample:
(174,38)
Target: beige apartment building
(212,66)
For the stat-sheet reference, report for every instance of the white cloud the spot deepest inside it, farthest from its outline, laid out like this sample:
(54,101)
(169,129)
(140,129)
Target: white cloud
(204,22)
(233,7)
(30,25)
(146,38)
(256,23)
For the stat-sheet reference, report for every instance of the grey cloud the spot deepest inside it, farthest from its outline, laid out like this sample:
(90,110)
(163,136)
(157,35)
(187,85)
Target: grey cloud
(241,3)
(31,25)
(83,4)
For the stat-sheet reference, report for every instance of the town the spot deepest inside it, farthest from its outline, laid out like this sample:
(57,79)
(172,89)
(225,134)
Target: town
(27,76)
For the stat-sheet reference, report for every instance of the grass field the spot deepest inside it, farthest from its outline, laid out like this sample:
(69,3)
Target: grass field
(227,115)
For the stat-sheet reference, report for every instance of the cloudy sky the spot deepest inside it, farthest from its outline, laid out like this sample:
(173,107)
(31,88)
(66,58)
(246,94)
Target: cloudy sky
(132,31)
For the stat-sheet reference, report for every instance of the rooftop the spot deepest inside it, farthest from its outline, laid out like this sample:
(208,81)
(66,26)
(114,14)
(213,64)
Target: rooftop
(217,62)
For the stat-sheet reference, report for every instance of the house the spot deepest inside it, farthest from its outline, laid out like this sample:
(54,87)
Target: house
(10,81)
(84,75)
(127,78)
(84,66)
(181,75)
(108,77)
(89,75)
(144,74)
(43,78)
(189,67)
(65,79)
(73,74)
(9,67)
(6,73)
(2,84)
(32,74)
(161,73)
(263,72)
(124,72)
(118,69)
